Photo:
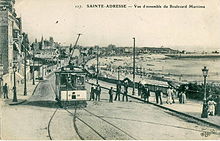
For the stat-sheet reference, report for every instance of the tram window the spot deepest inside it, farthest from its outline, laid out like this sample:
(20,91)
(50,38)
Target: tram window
(80,80)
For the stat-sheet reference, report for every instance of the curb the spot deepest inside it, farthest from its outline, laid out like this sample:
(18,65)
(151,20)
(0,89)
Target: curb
(169,109)
(18,103)
(35,88)
(23,101)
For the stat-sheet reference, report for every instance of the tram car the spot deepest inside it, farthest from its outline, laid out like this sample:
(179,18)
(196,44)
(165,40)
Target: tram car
(70,86)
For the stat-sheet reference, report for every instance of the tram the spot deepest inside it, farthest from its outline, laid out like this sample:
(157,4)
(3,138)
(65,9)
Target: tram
(70,86)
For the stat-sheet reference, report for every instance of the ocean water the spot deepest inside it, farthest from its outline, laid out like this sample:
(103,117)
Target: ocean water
(184,69)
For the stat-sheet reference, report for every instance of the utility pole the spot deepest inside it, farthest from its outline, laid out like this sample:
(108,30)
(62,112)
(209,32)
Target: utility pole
(25,44)
(133,92)
(35,43)
(97,63)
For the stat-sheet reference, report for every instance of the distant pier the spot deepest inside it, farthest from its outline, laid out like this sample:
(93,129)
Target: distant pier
(193,55)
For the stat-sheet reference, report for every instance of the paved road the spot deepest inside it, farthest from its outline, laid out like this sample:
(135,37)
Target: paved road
(99,120)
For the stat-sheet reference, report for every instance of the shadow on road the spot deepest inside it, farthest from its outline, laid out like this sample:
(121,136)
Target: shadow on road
(55,104)
(48,104)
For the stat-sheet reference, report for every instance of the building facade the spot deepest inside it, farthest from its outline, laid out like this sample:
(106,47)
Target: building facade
(10,40)
(10,35)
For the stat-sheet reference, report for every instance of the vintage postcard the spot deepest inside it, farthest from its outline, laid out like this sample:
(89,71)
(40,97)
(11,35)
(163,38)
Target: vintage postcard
(109,70)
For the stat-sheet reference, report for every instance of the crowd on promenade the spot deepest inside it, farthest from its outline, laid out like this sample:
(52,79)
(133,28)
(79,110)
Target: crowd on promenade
(95,92)
(144,93)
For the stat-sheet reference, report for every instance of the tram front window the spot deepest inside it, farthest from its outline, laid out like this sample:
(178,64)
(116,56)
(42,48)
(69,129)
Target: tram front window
(71,82)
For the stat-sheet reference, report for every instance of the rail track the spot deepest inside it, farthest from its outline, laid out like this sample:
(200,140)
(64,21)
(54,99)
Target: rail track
(76,118)
(49,123)
(74,121)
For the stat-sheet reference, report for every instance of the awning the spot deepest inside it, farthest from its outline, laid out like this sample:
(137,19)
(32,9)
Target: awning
(16,47)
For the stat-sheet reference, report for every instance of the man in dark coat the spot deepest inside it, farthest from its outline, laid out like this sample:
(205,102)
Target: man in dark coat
(111,95)
(146,93)
(125,94)
(92,93)
(5,90)
(158,93)
(98,92)
(139,88)
(118,91)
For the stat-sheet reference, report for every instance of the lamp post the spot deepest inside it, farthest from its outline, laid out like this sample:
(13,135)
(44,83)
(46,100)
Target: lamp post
(15,91)
(204,108)
(97,64)
(33,63)
(119,67)
(133,92)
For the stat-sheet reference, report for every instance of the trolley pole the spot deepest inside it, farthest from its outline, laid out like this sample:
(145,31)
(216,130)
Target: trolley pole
(133,92)
(25,62)
(97,63)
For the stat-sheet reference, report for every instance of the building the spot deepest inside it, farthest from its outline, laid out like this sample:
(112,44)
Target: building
(10,40)
(10,35)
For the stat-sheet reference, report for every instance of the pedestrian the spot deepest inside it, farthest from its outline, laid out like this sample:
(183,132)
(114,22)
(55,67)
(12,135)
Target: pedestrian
(118,91)
(158,93)
(215,98)
(183,97)
(218,106)
(92,93)
(146,93)
(173,95)
(139,88)
(169,96)
(98,92)
(111,95)
(5,90)
(211,107)
(180,92)
(125,94)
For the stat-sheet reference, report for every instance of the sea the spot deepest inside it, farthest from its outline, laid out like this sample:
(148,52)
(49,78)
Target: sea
(179,69)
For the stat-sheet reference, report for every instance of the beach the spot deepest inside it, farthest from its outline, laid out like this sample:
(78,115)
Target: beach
(177,69)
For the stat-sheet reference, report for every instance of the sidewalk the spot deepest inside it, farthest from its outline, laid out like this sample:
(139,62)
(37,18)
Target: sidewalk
(20,93)
(192,108)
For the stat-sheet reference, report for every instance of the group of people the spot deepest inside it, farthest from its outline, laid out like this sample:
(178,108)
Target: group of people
(95,93)
(143,91)
(119,91)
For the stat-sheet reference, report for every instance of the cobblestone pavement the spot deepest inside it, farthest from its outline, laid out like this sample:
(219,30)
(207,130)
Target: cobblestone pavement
(118,120)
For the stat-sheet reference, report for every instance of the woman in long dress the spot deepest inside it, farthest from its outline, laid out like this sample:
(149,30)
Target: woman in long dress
(211,107)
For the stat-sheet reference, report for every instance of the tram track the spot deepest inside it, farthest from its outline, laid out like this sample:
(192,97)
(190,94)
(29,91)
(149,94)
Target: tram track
(85,123)
(53,115)
(115,128)
(49,124)
(110,124)
(74,121)
(74,124)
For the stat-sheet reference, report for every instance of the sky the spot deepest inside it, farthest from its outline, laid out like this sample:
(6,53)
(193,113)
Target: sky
(189,29)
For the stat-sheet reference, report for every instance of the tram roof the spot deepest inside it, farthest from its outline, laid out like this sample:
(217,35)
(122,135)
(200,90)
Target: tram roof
(68,70)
